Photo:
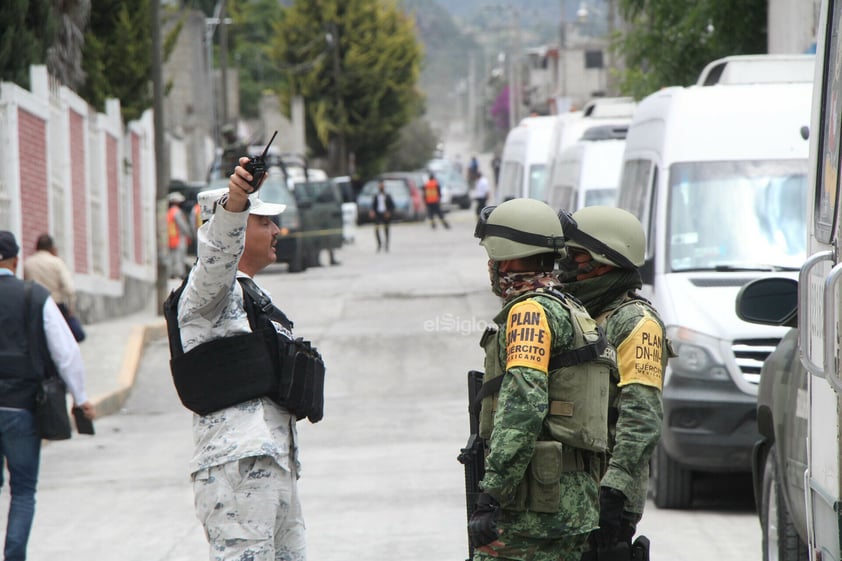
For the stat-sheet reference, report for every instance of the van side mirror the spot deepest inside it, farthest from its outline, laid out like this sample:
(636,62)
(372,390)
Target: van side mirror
(769,301)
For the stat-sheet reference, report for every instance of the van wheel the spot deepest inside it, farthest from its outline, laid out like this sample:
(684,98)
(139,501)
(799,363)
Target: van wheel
(670,483)
(297,263)
(780,539)
(312,258)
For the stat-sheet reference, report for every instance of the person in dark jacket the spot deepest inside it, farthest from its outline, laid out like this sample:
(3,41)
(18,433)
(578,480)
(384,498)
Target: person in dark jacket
(381,211)
(34,340)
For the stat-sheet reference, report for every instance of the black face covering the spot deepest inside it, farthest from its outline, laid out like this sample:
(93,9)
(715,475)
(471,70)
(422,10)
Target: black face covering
(569,269)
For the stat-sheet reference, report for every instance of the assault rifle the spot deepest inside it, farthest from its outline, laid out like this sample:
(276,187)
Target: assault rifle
(472,456)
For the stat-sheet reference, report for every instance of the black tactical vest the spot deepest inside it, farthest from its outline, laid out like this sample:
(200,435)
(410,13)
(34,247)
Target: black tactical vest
(24,359)
(264,363)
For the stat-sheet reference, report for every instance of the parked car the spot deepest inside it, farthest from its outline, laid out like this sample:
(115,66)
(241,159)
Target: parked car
(320,207)
(779,459)
(349,207)
(405,194)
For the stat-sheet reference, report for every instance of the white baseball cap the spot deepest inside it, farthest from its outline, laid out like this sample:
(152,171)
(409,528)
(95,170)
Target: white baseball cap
(208,199)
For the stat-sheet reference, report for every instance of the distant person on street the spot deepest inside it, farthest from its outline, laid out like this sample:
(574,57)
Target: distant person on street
(34,341)
(381,211)
(432,198)
(245,465)
(178,236)
(46,268)
(495,167)
(473,170)
(481,190)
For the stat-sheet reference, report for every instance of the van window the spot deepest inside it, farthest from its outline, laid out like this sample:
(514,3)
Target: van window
(538,182)
(600,197)
(511,181)
(562,197)
(737,215)
(634,186)
(830,142)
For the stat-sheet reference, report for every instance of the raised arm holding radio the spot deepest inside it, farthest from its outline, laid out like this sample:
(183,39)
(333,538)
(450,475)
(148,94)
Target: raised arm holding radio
(237,365)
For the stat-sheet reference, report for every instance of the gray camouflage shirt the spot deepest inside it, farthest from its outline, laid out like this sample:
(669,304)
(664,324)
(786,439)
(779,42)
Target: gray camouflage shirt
(211,307)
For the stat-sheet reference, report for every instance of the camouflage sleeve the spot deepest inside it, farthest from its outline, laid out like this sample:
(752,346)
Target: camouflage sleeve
(533,331)
(520,414)
(638,335)
(638,430)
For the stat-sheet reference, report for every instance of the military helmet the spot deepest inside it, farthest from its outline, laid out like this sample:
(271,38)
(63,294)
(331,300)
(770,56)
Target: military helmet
(519,228)
(611,235)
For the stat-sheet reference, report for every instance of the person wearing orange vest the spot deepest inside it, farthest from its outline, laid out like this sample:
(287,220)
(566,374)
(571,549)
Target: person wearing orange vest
(178,236)
(432,198)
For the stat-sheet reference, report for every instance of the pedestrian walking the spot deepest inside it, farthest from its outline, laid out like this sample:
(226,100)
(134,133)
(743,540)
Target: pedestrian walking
(606,247)
(35,342)
(432,198)
(178,236)
(545,397)
(232,352)
(481,191)
(381,213)
(47,269)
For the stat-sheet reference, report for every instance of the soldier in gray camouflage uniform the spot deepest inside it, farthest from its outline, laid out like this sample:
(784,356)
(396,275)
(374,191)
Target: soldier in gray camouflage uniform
(606,246)
(245,465)
(531,509)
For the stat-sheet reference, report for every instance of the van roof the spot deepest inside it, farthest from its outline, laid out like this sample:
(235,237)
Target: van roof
(715,123)
(758,69)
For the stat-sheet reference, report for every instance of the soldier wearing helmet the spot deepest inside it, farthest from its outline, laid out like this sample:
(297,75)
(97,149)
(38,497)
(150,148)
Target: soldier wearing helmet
(606,246)
(543,416)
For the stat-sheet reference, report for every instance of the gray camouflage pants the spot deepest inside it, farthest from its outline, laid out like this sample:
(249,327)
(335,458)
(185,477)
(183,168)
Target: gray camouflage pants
(250,510)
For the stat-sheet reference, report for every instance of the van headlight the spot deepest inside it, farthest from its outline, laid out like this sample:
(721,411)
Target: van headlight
(699,355)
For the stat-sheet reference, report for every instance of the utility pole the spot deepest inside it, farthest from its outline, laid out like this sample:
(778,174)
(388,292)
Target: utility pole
(223,62)
(340,153)
(161,171)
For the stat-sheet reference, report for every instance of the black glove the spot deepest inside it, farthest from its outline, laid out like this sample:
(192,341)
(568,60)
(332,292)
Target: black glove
(482,527)
(611,503)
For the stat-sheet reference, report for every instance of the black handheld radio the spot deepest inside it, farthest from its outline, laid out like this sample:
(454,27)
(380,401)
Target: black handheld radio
(256,166)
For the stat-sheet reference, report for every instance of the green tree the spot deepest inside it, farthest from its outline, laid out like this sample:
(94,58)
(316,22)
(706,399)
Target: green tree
(356,63)
(414,147)
(118,56)
(249,41)
(29,28)
(669,42)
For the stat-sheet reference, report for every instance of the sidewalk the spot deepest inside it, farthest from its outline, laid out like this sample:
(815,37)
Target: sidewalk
(112,351)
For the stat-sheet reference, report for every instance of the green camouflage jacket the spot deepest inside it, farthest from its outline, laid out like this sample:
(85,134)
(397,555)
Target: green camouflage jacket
(518,422)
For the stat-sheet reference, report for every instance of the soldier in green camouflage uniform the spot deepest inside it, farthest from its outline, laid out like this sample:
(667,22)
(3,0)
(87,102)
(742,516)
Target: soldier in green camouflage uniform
(605,248)
(514,518)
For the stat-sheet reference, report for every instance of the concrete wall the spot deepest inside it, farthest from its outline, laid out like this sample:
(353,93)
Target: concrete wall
(89,181)
(188,105)
(792,25)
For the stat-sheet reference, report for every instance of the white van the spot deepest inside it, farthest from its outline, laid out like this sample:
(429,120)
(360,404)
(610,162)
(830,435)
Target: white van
(525,158)
(571,127)
(532,146)
(717,175)
(588,172)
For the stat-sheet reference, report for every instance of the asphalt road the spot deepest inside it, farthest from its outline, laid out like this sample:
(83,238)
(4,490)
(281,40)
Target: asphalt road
(380,480)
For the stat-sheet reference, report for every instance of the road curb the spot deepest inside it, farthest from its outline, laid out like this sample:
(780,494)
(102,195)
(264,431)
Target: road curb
(111,402)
